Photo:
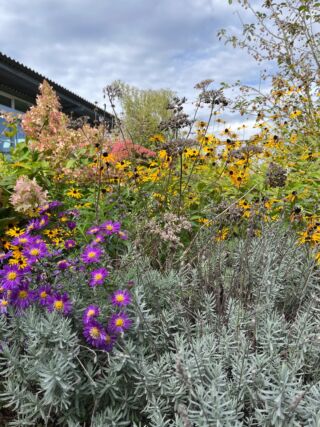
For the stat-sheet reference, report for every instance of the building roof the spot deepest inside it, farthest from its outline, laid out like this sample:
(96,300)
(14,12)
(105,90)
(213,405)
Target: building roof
(23,82)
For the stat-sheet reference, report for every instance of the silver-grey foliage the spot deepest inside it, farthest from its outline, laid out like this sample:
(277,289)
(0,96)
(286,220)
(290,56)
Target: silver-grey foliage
(233,340)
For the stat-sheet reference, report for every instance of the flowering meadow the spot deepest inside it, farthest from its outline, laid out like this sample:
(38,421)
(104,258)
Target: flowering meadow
(170,278)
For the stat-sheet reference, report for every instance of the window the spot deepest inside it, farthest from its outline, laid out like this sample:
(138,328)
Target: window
(12,104)
(5,142)
(21,105)
(5,101)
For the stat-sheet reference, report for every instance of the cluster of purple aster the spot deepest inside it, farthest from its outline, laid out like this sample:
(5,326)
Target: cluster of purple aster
(20,297)
(68,218)
(37,223)
(20,287)
(95,333)
(15,290)
(33,248)
(93,252)
(59,302)
(50,206)
(91,255)
(104,337)
(53,300)
(107,228)
(16,277)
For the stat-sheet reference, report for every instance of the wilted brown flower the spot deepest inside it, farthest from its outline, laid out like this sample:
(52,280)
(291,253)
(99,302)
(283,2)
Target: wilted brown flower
(276,175)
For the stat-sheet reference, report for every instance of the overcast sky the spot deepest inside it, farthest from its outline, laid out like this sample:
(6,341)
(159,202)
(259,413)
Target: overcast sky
(85,44)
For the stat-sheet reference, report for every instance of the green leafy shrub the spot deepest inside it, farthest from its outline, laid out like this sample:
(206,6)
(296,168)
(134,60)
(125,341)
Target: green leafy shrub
(143,110)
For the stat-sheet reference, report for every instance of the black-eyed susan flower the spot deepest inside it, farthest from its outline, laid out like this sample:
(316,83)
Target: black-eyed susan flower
(74,193)
(159,137)
(15,231)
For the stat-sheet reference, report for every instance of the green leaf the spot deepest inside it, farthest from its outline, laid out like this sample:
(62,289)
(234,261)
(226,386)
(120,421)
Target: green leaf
(201,186)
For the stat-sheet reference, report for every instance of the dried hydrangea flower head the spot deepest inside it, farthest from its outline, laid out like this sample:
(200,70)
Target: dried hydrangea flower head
(27,195)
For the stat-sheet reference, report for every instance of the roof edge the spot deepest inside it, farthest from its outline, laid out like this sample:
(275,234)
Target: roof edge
(40,78)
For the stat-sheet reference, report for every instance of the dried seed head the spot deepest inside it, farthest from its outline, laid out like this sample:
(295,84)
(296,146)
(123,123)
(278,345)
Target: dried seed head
(177,146)
(113,91)
(276,176)
(203,85)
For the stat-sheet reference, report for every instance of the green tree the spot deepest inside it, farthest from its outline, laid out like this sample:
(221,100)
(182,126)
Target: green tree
(284,34)
(143,110)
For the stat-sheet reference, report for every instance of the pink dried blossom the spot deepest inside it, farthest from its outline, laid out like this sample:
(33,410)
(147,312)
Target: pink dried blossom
(27,195)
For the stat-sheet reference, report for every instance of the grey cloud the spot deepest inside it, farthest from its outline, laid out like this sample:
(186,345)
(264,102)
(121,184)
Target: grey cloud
(85,44)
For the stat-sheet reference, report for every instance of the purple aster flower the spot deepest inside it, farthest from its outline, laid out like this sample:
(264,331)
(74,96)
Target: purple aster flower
(59,303)
(90,314)
(43,294)
(93,333)
(10,277)
(98,276)
(119,322)
(22,297)
(63,216)
(32,225)
(37,239)
(99,238)
(73,212)
(121,298)
(43,221)
(35,251)
(63,264)
(5,255)
(24,239)
(43,209)
(37,223)
(123,235)
(69,244)
(55,204)
(107,340)
(91,254)
(4,305)
(50,206)
(93,230)
(71,225)
(110,227)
